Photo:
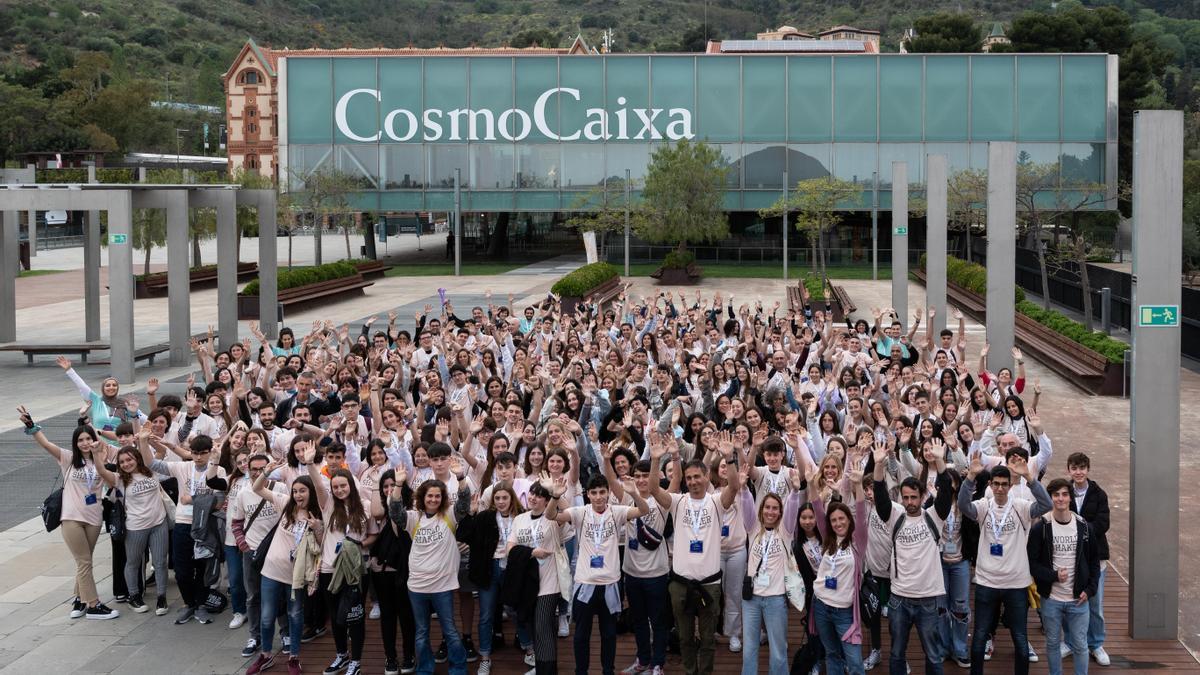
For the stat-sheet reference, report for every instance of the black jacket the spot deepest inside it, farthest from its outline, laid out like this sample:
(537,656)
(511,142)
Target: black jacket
(482,535)
(1095,512)
(522,581)
(1041,557)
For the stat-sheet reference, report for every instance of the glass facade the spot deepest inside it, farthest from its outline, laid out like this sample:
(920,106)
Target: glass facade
(533,133)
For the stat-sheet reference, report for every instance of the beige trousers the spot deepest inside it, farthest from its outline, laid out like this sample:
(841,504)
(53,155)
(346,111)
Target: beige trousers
(80,539)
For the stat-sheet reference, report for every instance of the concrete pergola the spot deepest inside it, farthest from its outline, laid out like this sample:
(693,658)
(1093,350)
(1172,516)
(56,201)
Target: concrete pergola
(119,200)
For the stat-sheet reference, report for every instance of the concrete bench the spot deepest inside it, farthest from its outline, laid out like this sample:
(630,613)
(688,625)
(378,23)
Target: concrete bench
(82,349)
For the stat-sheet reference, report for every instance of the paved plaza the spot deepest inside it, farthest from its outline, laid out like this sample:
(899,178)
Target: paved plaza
(36,572)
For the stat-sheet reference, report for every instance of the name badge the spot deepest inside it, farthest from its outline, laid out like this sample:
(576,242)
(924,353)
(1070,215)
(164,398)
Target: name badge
(763,580)
(696,546)
(997,549)
(108,427)
(950,548)
(337,548)
(90,499)
(831,583)
(597,562)
(633,544)
(724,530)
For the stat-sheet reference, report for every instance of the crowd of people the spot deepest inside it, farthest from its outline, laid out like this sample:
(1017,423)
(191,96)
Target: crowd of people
(673,466)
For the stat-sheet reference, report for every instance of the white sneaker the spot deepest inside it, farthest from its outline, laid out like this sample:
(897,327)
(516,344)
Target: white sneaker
(634,668)
(1064,650)
(237,620)
(564,625)
(987,651)
(1033,657)
(735,644)
(530,659)
(872,660)
(658,670)
(485,667)
(1101,656)
(374,611)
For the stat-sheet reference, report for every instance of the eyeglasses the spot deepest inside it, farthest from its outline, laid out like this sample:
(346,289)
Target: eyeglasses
(1000,486)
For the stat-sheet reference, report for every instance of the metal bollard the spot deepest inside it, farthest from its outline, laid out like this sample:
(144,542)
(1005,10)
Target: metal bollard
(1105,303)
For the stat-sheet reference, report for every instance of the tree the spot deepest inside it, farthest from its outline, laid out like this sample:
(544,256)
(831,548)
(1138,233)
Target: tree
(682,199)
(602,209)
(966,204)
(945,32)
(816,200)
(540,37)
(325,195)
(1037,187)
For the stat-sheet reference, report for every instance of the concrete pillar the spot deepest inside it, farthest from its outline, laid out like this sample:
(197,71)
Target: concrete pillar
(9,255)
(1001,251)
(935,242)
(1154,425)
(268,265)
(32,233)
(227,261)
(179,306)
(120,283)
(900,241)
(91,271)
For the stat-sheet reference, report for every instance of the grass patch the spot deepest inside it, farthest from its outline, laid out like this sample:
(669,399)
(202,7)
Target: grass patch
(447,269)
(38,273)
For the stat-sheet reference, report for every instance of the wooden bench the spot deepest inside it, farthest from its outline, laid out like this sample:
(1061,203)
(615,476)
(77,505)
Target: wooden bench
(143,354)
(1055,348)
(371,269)
(843,300)
(82,349)
(248,304)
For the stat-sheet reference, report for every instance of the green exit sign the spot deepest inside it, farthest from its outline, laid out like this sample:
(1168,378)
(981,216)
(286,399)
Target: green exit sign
(118,238)
(1158,315)
(900,231)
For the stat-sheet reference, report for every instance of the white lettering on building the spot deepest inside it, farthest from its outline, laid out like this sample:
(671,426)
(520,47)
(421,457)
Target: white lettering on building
(514,124)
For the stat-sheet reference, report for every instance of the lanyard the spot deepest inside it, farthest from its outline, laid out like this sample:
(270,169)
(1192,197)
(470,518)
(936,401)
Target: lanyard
(298,533)
(767,540)
(813,549)
(598,531)
(505,527)
(997,527)
(694,511)
(773,482)
(89,474)
(535,531)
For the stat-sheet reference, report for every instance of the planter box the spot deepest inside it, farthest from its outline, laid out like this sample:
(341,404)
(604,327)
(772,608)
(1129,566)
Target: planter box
(155,285)
(372,269)
(598,295)
(305,295)
(678,276)
(1085,368)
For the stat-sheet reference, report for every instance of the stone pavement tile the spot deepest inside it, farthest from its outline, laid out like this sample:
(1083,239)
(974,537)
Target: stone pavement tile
(115,658)
(33,589)
(186,646)
(26,638)
(62,654)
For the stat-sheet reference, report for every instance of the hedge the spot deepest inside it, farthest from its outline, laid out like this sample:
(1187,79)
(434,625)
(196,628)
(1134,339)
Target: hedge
(679,259)
(307,275)
(578,283)
(973,277)
(814,286)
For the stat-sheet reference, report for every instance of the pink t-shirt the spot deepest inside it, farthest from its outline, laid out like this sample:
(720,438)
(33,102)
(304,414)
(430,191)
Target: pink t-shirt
(433,560)
(278,564)
(538,533)
(696,546)
(599,561)
(78,483)
(143,503)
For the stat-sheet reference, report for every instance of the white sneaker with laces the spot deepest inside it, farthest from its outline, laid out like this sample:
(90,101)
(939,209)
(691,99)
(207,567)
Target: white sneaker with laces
(564,626)
(1064,650)
(1033,657)
(1101,656)
(658,670)
(530,659)
(735,644)
(237,621)
(987,651)
(872,660)
(635,667)
(485,667)
(374,612)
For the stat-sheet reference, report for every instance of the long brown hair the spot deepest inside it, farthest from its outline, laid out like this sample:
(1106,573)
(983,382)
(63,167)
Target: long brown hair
(829,545)
(348,513)
(514,508)
(127,478)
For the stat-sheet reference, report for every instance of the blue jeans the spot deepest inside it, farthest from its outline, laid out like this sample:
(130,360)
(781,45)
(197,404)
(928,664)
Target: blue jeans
(956,577)
(925,613)
(273,595)
(772,611)
(489,599)
(237,587)
(423,605)
(1016,614)
(649,609)
(1095,634)
(1065,619)
(832,624)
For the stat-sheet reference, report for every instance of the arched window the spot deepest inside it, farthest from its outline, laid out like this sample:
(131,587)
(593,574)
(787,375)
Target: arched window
(249,77)
(252,162)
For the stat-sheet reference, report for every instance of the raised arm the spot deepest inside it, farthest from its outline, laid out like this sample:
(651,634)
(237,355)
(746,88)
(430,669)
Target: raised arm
(967,491)
(657,450)
(35,430)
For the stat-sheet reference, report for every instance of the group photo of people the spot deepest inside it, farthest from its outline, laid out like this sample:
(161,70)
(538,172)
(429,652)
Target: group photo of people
(680,472)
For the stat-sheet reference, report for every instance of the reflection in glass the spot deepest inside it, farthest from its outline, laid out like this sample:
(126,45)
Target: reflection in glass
(1082,163)
(763,166)
(362,162)
(808,160)
(731,153)
(492,166)
(443,160)
(583,165)
(910,153)
(403,167)
(304,159)
(627,156)
(855,162)
(539,166)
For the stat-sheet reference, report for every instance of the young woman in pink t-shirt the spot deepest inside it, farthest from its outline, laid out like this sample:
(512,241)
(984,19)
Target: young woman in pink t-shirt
(346,518)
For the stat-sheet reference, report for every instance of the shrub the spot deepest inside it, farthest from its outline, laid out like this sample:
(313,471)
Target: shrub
(814,286)
(679,259)
(584,279)
(307,275)
(1111,348)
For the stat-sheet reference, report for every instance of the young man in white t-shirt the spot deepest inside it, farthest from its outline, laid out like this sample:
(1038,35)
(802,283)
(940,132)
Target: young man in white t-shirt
(598,571)
(695,587)
(1002,563)
(251,518)
(916,561)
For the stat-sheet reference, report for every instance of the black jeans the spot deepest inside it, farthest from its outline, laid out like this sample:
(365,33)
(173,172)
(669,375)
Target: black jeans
(394,607)
(188,573)
(583,614)
(354,630)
